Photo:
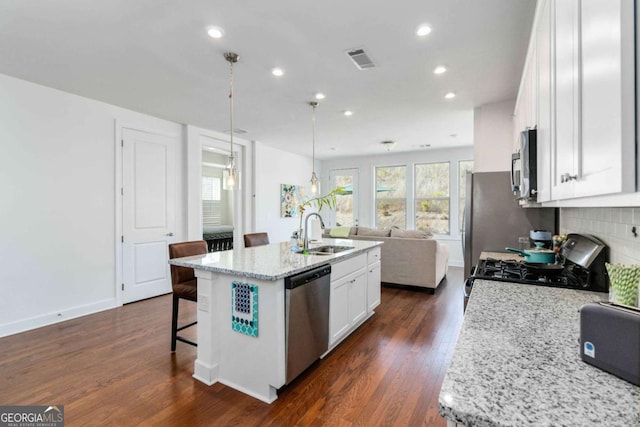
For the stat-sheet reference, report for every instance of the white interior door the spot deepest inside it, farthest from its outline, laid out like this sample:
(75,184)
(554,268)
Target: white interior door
(347,203)
(148,213)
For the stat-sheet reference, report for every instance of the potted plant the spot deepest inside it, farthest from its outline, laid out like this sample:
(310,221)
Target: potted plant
(328,200)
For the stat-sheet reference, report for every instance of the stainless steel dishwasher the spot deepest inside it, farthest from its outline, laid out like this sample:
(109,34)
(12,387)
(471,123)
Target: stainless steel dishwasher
(306,318)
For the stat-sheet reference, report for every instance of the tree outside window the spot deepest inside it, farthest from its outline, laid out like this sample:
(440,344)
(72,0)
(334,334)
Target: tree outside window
(391,196)
(464,166)
(432,197)
(344,201)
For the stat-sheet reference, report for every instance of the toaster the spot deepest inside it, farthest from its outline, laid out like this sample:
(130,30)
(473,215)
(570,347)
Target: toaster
(610,339)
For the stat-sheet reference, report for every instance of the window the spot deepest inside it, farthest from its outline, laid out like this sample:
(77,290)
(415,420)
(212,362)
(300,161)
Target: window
(464,166)
(432,197)
(211,186)
(391,196)
(346,213)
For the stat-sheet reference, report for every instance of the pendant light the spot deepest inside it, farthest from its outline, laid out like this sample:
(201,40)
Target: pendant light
(314,177)
(232,58)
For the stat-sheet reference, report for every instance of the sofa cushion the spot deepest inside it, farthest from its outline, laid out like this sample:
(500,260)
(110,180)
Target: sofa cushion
(365,231)
(412,234)
(339,232)
(328,232)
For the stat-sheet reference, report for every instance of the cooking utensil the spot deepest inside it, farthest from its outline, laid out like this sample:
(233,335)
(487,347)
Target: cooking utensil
(536,256)
(540,235)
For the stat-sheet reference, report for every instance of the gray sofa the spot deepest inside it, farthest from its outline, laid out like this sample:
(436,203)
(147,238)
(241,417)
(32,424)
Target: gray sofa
(409,257)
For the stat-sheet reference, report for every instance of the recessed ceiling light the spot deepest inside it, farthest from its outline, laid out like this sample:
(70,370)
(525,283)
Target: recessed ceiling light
(440,69)
(215,32)
(278,72)
(348,113)
(423,30)
(320,95)
(450,95)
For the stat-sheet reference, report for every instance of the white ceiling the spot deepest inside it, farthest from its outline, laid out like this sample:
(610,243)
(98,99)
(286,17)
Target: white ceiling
(154,56)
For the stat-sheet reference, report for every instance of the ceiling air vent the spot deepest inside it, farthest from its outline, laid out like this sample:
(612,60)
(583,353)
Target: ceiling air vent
(360,58)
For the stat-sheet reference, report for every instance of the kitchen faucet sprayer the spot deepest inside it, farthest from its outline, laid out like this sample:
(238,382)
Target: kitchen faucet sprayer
(306,228)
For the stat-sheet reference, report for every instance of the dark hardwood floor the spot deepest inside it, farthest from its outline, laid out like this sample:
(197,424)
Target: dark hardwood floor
(116,368)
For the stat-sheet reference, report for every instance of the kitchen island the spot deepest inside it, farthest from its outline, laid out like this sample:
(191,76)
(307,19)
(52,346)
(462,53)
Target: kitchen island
(517,363)
(243,345)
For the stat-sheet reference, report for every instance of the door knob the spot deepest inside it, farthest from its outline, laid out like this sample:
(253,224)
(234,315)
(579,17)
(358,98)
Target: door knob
(169,234)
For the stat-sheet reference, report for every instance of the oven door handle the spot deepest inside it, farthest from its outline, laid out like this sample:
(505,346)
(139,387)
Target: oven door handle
(468,285)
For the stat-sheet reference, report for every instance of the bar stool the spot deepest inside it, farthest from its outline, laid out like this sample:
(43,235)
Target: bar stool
(256,239)
(184,284)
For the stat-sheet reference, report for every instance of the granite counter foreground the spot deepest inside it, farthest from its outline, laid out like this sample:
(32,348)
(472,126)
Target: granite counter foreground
(517,363)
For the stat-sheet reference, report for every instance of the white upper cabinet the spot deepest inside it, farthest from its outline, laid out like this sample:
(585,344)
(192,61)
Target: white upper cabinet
(566,132)
(544,93)
(526,109)
(605,160)
(585,97)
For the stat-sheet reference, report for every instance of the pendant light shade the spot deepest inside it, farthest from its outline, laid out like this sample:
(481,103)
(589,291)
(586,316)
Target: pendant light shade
(314,177)
(232,58)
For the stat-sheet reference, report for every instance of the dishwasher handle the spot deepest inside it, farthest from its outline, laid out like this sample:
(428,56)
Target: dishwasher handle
(293,282)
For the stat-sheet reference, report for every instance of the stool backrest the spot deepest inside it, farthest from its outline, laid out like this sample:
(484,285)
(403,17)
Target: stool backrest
(256,239)
(178,250)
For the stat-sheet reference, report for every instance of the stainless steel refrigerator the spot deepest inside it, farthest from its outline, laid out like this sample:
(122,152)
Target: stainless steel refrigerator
(493,219)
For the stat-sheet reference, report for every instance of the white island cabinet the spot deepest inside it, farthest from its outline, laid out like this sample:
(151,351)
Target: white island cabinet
(348,297)
(373,279)
(246,349)
(355,293)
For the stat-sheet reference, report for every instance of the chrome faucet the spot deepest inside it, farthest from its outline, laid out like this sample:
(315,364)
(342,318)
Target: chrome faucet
(305,245)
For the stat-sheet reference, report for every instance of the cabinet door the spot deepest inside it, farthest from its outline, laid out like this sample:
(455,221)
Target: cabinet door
(532,87)
(606,161)
(358,297)
(373,286)
(544,90)
(567,98)
(339,309)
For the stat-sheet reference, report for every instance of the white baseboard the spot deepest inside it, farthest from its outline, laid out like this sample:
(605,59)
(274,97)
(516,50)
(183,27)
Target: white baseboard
(23,325)
(205,373)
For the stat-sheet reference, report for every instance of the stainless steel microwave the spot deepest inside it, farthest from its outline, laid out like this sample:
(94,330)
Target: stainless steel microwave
(524,179)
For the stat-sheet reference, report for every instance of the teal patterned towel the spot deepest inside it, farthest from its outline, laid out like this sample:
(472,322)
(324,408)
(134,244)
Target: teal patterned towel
(624,283)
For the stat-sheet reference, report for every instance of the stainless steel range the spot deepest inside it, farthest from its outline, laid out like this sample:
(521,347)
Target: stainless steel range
(581,265)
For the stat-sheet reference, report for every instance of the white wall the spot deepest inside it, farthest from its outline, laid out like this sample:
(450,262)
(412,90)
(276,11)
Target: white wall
(492,136)
(58,211)
(366,166)
(274,167)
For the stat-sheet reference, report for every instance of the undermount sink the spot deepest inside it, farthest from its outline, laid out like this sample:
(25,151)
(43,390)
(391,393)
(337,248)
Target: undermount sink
(325,250)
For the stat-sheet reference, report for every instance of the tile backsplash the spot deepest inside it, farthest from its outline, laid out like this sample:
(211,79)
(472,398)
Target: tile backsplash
(611,225)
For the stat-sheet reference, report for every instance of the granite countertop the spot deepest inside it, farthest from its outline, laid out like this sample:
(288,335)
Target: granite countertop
(271,262)
(517,363)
